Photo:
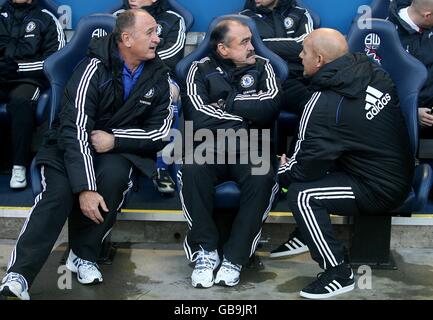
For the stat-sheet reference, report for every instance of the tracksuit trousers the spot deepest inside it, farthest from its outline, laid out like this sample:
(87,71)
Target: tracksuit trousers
(56,203)
(197,192)
(312,203)
(21,106)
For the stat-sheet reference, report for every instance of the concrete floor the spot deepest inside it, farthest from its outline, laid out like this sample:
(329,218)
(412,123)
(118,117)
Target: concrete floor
(161,272)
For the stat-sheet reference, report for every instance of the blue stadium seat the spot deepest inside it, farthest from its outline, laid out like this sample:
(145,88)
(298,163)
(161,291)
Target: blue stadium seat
(313,14)
(382,44)
(60,65)
(380,8)
(176,6)
(227,195)
(44,98)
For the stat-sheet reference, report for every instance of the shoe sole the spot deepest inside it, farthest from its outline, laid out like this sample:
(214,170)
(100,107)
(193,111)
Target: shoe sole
(327,295)
(288,253)
(93,282)
(222,283)
(19,186)
(201,286)
(9,294)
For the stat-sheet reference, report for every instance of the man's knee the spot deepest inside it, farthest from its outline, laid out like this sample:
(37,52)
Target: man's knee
(113,172)
(293,194)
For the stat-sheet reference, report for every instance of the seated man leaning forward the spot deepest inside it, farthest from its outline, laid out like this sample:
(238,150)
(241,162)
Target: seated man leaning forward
(348,160)
(231,92)
(106,127)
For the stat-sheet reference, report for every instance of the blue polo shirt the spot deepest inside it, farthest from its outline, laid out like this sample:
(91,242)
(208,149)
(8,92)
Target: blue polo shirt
(130,79)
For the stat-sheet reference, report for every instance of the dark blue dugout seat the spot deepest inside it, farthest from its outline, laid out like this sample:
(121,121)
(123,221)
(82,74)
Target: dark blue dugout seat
(44,99)
(60,65)
(313,14)
(380,8)
(371,239)
(227,195)
(174,5)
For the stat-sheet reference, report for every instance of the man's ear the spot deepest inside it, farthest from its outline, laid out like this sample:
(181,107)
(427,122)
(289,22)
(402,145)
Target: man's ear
(320,61)
(222,50)
(126,39)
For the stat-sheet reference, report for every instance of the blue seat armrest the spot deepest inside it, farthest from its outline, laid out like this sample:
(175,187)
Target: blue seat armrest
(41,109)
(35,178)
(422,183)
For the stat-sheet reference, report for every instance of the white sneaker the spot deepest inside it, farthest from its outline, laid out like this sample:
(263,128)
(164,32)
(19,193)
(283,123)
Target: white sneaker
(206,263)
(87,272)
(229,274)
(18,179)
(14,286)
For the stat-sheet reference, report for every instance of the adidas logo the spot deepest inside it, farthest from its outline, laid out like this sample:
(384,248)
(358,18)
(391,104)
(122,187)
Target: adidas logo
(375,102)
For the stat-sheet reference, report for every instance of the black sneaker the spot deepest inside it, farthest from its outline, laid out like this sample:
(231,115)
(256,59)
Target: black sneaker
(163,182)
(332,282)
(291,247)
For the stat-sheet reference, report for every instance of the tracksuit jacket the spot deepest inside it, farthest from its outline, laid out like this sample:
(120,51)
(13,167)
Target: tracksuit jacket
(353,123)
(420,45)
(250,94)
(283,29)
(29,35)
(171,31)
(93,100)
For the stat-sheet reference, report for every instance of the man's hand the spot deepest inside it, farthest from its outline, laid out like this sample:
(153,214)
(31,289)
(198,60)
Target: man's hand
(89,204)
(102,141)
(283,160)
(425,117)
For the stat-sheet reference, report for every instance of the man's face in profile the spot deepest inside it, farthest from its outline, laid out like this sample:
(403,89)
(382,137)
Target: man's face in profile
(144,37)
(309,58)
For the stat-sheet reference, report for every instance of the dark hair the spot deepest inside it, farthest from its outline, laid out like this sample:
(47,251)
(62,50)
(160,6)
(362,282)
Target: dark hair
(220,33)
(125,20)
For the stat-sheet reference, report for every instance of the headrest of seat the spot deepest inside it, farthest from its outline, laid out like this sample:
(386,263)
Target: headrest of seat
(280,66)
(382,44)
(380,8)
(187,16)
(176,6)
(313,14)
(60,65)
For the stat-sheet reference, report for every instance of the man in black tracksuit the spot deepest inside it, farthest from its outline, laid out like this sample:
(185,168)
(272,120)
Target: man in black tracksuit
(352,155)
(283,26)
(172,33)
(230,90)
(414,23)
(116,111)
(28,35)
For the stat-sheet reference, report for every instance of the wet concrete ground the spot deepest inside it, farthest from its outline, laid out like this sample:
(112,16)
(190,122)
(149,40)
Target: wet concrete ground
(161,272)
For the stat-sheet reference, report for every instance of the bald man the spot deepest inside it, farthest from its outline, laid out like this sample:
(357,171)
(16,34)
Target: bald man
(352,156)
(414,22)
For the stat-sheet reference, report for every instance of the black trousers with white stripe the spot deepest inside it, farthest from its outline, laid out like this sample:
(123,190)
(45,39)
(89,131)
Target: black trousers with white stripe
(21,105)
(311,204)
(197,196)
(56,203)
